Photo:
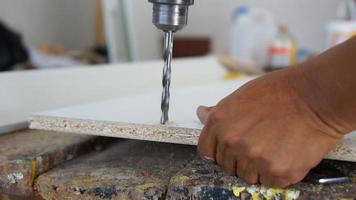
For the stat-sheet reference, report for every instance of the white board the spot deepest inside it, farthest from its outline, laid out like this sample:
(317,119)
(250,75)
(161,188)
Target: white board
(137,117)
(25,92)
(127,116)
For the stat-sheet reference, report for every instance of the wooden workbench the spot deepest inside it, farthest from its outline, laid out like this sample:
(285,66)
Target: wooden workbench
(59,166)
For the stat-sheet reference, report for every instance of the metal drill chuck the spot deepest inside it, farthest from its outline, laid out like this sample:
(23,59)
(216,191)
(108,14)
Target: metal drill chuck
(170,15)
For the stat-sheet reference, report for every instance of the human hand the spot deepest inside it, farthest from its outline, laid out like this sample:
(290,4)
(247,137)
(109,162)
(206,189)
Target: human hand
(266,132)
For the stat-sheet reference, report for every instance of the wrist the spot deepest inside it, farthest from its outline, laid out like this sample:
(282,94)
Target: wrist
(325,96)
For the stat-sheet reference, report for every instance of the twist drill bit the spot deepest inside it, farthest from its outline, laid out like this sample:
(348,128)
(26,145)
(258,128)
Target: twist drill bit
(169,16)
(166,81)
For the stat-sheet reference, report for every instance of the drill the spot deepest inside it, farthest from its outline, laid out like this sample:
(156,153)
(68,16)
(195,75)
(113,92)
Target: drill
(169,16)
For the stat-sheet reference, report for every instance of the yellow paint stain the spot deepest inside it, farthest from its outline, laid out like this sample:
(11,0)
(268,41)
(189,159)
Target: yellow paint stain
(254,191)
(180,180)
(232,75)
(267,193)
(237,190)
(33,170)
(145,186)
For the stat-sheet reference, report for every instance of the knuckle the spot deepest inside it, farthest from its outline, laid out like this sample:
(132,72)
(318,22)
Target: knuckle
(254,152)
(216,116)
(228,142)
(277,171)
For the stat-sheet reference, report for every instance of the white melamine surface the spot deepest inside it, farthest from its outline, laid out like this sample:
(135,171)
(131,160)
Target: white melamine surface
(145,108)
(23,93)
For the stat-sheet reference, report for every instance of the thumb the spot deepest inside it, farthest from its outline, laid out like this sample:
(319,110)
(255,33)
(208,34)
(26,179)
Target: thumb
(203,113)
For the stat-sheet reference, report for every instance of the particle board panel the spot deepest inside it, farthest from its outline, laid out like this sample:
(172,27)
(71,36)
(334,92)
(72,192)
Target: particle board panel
(137,117)
(26,154)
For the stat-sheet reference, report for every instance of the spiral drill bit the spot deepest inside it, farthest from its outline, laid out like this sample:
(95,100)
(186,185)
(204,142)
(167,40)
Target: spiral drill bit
(166,81)
(169,16)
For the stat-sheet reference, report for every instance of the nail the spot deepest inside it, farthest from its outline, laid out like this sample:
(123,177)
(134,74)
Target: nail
(207,159)
(203,113)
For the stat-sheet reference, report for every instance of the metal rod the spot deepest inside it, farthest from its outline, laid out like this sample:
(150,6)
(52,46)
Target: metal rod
(166,81)
(327,181)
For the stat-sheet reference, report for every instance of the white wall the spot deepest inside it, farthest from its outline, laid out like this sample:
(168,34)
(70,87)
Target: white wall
(147,38)
(70,23)
(211,18)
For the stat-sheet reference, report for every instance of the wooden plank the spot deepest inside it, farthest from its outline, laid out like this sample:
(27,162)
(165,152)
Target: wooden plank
(26,154)
(137,117)
(200,180)
(126,170)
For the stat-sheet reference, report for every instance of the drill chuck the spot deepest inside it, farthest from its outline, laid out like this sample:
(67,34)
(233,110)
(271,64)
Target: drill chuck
(170,15)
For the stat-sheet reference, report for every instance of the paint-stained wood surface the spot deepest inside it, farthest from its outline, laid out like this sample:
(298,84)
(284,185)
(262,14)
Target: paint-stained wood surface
(200,180)
(130,169)
(26,154)
(137,117)
(126,170)
(145,170)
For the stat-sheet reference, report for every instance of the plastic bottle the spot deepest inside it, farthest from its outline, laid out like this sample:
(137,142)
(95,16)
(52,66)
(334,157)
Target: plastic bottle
(240,39)
(344,27)
(346,10)
(251,33)
(283,49)
(264,30)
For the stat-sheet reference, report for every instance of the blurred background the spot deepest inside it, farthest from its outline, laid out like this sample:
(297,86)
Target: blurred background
(44,34)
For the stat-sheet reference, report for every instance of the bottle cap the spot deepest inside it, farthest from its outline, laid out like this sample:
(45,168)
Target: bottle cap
(241,10)
(283,28)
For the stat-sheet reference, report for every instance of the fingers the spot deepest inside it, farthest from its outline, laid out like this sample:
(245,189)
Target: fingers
(222,145)
(219,154)
(284,179)
(207,145)
(203,113)
(271,181)
(207,141)
(248,171)
(279,174)
(229,166)
(228,163)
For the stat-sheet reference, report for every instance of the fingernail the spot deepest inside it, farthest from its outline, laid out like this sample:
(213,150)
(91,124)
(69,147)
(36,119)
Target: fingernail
(207,159)
(202,113)
(202,107)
